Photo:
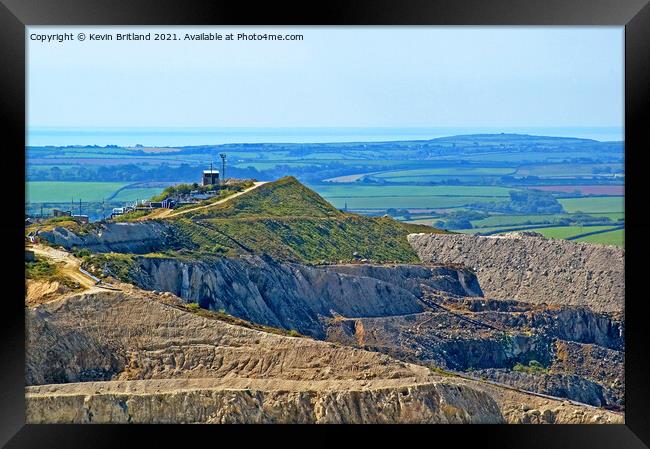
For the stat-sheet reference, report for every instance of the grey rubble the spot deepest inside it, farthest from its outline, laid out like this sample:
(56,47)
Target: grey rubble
(535,269)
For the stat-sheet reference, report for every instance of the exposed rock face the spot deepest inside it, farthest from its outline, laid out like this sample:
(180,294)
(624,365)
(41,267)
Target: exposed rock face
(414,278)
(578,324)
(442,339)
(534,269)
(195,369)
(115,332)
(198,369)
(55,354)
(560,385)
(136,237)
(393,310)
(522,408)
(42,291)
(295,296)
(583,350)
(259,401)
(593,362)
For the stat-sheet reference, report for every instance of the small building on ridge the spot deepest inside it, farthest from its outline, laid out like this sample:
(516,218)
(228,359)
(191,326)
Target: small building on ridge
(210,177)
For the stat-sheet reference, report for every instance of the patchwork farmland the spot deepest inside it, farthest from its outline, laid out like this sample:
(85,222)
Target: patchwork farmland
(474,183)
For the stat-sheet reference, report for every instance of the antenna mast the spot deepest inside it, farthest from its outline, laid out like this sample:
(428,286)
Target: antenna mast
(223,167)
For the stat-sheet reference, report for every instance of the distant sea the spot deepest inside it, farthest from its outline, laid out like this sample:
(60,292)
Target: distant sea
(171,137)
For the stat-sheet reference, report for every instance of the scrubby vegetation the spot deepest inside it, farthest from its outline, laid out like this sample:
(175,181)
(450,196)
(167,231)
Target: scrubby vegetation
(119,266)
(132,215)
(461,219)
(283,219)
(40,269)
(441,372)
(51,223)
(533,367)
(223,193)
(44,270)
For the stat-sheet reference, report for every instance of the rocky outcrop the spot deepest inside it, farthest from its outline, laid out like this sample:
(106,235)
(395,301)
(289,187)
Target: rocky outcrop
(442,339)
(568,386)
(593,362)
(137,356)
(56,354)
(418,278)
(533,268)
(521,408)
(197,369)
(39,291)
(295,296)
(579,324)
(121,333)
(257,401)
(581,352)
(134,237)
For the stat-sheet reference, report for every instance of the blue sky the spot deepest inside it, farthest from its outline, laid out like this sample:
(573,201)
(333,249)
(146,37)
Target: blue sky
(335,77)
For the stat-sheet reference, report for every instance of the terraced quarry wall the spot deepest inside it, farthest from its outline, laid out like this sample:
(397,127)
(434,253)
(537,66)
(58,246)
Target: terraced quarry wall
(295,296)
(197,369)
(105,358)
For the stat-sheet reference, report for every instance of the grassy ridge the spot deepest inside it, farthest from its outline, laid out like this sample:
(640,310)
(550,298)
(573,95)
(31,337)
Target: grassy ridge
(287,220)
(283,219)
(285,197)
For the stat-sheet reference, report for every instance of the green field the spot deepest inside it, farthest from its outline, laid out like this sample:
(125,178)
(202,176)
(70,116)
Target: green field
(514,220)
(594,204)
(614,216)
(506,220)
(606,238)
(60,192)
(414,202)
(565,170)
(451,171)
(430,197)
(436,179)
(522,157)
(357,191)
(143,193)
(269,165)
(492,229)
(563,232)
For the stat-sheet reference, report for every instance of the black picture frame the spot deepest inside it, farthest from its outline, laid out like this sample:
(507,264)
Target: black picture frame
(633,14)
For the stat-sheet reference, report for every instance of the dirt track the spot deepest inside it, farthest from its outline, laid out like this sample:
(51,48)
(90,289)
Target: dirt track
(169,213)
(68,264)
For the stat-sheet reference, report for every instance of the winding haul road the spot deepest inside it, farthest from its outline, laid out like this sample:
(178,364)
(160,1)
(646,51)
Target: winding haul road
(70,266)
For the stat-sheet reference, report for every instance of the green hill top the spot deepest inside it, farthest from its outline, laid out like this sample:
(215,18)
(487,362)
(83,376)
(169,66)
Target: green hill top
(289,221)
(285,197)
